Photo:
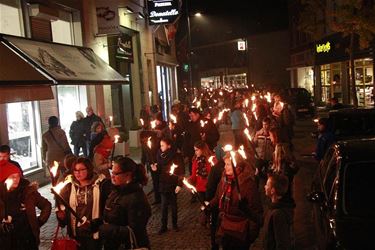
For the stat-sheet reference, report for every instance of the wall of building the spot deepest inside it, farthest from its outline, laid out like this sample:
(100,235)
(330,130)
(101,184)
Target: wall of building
(269,59)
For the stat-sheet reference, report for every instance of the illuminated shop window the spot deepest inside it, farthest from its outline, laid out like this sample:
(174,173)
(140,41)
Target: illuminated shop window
(22,134)
(364,78)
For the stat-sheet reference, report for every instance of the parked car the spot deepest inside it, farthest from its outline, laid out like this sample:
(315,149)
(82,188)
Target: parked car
(342,191)
(301,101)
(350,123)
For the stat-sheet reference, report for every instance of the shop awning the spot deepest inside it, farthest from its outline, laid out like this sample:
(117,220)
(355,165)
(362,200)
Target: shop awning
(58,63)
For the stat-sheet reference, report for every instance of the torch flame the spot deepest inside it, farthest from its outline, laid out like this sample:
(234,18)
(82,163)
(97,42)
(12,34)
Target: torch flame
(241,151)
(268,97)
(211,160)
(215,120)
(228,147)
(173,167)
(233,157)
(60,186)
(173,118)
(246,120)
(189,186)
(153,124)
(254,107)
(316,120)
(54,169)
(221,93)
(149,143)
(247,133)
(198,104)
(195,99)
(253,98)
(282,105)
(110,118)
(9,183)
(142,122)
(246,103)
(116,138)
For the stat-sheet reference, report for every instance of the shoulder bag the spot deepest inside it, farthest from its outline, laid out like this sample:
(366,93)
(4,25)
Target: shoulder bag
(64,242)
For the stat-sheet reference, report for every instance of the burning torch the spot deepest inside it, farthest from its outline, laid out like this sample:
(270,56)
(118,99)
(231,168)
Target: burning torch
(193,190)
(114,146)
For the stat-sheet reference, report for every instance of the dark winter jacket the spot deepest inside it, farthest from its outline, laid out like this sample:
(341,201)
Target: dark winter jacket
(278,224)
(325,140)
(192,135)
(29,199)
(214,178)
(125,206)
(210,133)
(168,182)
(77,133)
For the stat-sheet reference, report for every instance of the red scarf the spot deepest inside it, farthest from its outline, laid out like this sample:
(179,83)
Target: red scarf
(225,200)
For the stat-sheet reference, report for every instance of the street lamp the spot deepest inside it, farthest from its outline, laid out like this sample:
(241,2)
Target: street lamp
(189,46)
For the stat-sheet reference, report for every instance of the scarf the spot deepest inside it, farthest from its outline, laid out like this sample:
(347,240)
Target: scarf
(225,200)
(202,167)
(95,205)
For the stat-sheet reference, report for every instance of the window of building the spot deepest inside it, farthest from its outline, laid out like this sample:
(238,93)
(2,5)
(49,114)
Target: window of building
(325,74)
(22,133)
(364,78)
(11,18)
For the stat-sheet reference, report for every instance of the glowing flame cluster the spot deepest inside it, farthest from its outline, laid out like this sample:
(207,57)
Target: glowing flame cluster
(149,143)
(268,97)
(246,119)
(203,123)
(247,133)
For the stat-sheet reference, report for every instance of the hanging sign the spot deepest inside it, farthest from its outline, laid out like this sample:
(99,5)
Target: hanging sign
(107,17)
(162,11)
(125,47)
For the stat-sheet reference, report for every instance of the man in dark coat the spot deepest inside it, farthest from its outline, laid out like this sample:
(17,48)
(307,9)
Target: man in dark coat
(77,134)
(278,221)
(325,139)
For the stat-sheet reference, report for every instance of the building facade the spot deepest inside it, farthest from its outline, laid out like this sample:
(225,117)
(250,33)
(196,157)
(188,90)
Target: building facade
(119,91)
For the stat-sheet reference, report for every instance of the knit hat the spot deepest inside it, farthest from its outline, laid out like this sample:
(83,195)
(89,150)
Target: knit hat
(7,169)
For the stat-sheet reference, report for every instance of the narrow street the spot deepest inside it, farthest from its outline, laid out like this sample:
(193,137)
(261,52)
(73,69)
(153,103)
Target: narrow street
(192,235)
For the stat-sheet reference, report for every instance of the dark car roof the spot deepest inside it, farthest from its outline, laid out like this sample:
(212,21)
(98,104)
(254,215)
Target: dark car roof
(351,111)
(357,149)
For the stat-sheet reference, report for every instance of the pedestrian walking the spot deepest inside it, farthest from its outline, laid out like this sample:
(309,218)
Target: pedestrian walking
(325,139)
(55,145)
(77,134)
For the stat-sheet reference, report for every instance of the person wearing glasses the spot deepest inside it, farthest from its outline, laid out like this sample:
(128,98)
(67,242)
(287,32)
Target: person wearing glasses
(86,194)
(127,209)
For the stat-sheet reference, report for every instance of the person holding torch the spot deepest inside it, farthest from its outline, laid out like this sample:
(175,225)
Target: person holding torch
(169,166)
(86,195)
(19,223)
(240,209)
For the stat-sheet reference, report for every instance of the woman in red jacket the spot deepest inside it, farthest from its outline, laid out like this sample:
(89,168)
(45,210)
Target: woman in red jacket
(201,167)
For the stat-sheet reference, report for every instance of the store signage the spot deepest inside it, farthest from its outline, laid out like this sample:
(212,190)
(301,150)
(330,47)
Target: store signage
(323,48)
(125,47)
(107,17)
(241,45)
(162,11)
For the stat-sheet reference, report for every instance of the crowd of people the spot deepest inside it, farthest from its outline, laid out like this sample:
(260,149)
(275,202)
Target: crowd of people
(234,183)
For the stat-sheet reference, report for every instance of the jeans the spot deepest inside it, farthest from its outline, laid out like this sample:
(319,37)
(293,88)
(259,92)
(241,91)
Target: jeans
(168,199)
(155,183)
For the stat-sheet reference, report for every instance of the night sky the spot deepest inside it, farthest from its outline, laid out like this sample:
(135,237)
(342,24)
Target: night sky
(225,20)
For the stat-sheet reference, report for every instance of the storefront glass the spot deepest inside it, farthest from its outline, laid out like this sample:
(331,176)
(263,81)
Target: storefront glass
(331,81)
(22,133)
(306,79)
(325,74)
(164,76)
(71,98)
(11,18)
(364,77)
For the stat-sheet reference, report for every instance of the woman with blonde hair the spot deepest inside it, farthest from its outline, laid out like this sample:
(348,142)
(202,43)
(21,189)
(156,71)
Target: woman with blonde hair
(283,161)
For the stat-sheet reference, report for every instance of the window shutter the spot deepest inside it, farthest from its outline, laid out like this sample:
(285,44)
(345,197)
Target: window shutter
(41,29)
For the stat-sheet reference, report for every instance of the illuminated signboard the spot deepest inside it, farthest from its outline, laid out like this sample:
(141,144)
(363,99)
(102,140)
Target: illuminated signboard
(323,48)
(162,11)
(241,45)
